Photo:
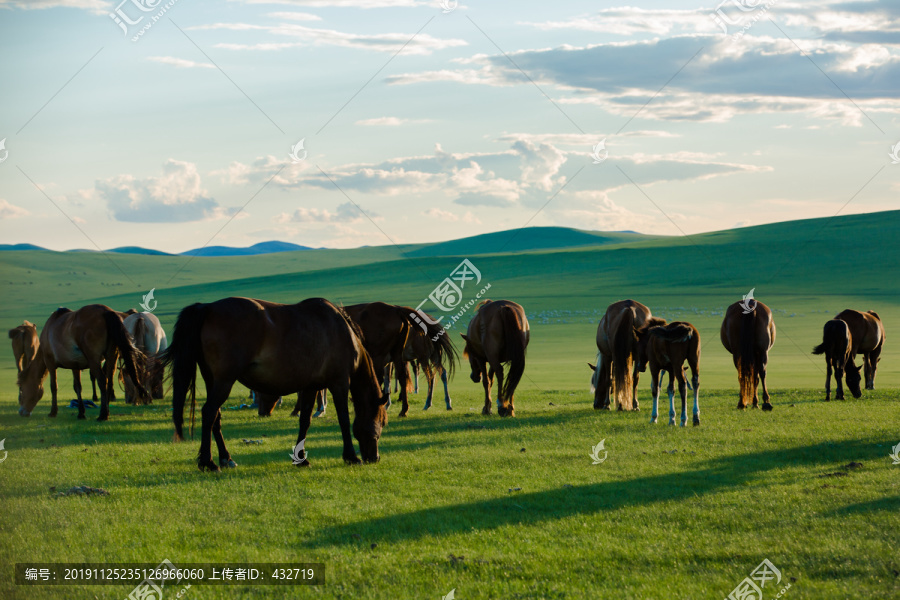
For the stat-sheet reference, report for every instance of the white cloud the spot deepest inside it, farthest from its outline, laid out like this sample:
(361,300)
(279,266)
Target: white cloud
(345,213)
(11,211)
(343,3)
(98,7)
(391,122)
(180,62)
(295,16)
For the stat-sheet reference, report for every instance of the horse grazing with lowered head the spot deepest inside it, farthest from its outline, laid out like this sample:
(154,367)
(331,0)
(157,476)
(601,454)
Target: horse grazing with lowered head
(275,349)
(617,336)
(749,335)
(148,336)
(428,348)
(837,346)
(498,333)
(25,344)
(867,333)
(666,348)
(92,337)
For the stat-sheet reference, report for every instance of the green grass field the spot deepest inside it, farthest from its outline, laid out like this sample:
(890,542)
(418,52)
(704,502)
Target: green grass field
(671,513)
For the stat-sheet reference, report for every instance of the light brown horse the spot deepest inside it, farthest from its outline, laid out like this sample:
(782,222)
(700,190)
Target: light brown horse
(275,349)
(748,336)
(617,337)
(148,336)
(25,344)
(867,332)
(668,347)
(837,346)
(90,338)
(497,334)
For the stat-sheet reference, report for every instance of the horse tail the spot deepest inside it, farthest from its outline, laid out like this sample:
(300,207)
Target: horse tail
(140,337)
(133,359)
(747,351)
(442,352)
(514,344)
(623,350)
(595,378)
(182,356)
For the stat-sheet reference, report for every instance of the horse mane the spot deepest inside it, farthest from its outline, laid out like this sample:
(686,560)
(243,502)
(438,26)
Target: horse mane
(482,303)
(27,372)
(354,327)
(62,310)
(874,314)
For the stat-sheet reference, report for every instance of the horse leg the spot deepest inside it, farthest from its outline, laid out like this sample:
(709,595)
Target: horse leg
(76,383)
(296,410)
(695,381)
(682,390)
(224,456)
(107,383)
(671,392)
(742,404)
(827,378)
(838,377)
(429,376)
(217,393)
(321,403)
(446,390)
(761,369)
(305,399)
(601,401)
(403,381)
(634,377)
(343,414)
(501,400)
(870,362)
(487,378)
(654,391)
(415,368)
(53,407)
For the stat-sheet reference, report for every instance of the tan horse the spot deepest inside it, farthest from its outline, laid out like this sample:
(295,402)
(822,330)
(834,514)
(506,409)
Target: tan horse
(617,337)
(90,338)
(867,332)
(667,348)
(148,336)
(497,334)
(25,344)
(749,336)
(274,349)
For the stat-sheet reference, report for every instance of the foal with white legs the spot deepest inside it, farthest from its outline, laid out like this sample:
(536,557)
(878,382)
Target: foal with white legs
(667,347)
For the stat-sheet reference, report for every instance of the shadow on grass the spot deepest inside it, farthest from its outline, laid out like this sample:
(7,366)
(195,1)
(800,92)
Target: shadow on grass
(724,474)
(890,504)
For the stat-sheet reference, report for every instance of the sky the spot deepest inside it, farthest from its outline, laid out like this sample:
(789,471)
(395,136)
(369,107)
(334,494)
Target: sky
(176,124)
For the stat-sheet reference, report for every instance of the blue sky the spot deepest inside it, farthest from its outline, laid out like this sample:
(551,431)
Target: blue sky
(478,119)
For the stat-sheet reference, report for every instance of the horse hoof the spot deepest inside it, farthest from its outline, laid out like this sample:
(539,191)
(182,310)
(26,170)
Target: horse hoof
(305,463)
(767,407)
(449,407)
(82,417)
(103,417)
(52,415)
(228,464)
(209,466)
(696,422)
(295,413)
(672,422)
(653,421)
(317,414)
(486,412)
(427,406)
(352,461)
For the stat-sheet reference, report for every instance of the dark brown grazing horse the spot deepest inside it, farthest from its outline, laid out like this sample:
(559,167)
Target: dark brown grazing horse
(667,347)
(91,337)
(749,336)
(617,337)
(497,334)
(867,332)
(387,330)
(430,348)
(837,346)
(275,349)
(25,344)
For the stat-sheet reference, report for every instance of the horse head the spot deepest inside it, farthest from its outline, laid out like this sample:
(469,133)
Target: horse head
(853,378)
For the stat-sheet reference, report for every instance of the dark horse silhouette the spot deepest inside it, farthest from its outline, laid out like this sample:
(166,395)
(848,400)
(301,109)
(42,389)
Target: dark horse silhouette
(617,336)
(275,349)
(92,337)
(666,348)
(498,333)
(867,332)
(837,346)
(387,330)
(749,336)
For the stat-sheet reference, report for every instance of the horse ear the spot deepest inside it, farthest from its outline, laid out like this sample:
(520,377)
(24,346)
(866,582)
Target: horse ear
(27,323)
(593,367)
(463,336)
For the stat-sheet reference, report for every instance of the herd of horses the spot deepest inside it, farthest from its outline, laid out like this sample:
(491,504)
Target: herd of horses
(353,352)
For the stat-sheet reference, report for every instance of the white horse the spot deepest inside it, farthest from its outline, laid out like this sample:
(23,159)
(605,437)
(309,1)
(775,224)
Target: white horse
(148,336)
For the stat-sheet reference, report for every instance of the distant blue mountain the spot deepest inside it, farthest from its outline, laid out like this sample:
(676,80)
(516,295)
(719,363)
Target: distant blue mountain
(261,248)
(20,247)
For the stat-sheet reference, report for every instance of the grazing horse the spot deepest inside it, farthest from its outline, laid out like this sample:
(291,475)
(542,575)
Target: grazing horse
(867,332)
(25,345)
(667,347)
(617,337)
(148,336)
(387,330)
(428,348)
(497,334)
(91,337)
(275,349)
(837,346)
(749,336)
